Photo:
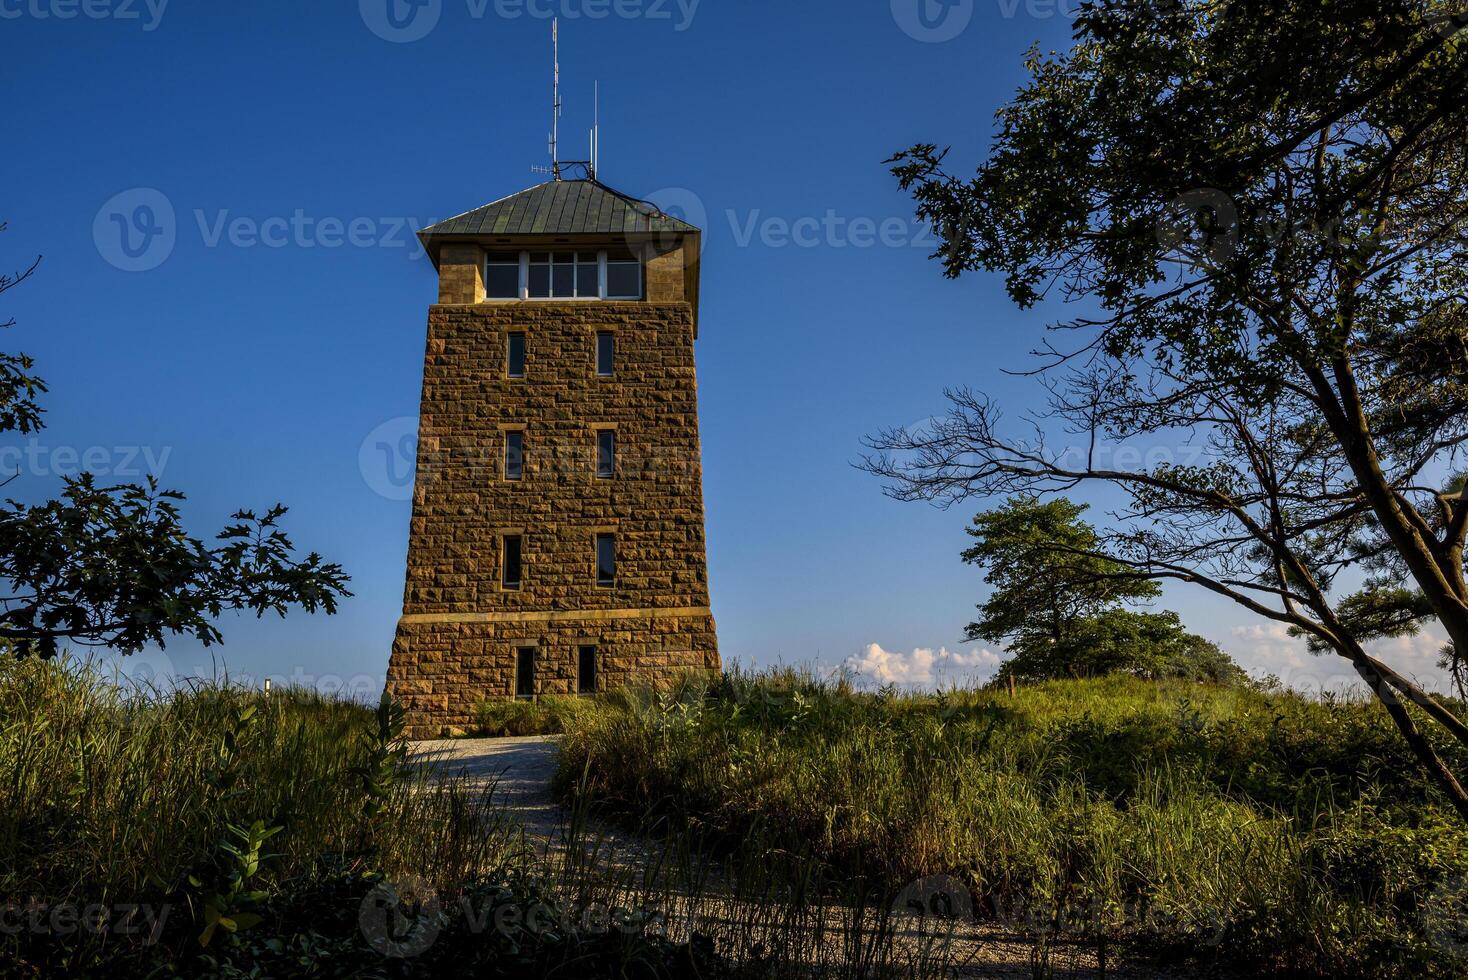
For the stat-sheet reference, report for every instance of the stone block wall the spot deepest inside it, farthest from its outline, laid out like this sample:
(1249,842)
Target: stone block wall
(456,644)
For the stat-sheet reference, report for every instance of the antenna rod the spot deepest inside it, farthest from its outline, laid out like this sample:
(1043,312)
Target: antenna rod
(556,96)
(595,128)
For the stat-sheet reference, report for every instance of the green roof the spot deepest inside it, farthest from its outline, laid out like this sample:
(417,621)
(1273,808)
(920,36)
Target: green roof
(562,207)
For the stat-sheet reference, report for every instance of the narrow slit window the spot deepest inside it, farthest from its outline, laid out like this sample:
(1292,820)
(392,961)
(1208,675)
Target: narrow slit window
(606,353)
(606,454)
(525,673)
(606,559)
(586,670)
(515,356)
(514,455)
(512,550)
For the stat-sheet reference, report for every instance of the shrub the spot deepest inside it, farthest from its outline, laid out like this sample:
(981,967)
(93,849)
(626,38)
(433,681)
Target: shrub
(1262,827)
(547,715)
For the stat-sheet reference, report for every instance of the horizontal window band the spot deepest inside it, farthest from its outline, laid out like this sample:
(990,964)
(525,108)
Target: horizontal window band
(557,616)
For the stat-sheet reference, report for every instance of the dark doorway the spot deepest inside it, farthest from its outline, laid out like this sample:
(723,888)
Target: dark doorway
(525,672)
(586,670)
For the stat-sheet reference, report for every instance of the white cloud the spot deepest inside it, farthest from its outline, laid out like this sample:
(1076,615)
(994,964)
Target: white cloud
(923,666)
(1267,648)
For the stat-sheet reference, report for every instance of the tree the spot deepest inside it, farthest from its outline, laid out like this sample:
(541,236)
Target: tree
(1265,209)
(112,565)
(1120,641)
(1040,561)
(1056,603)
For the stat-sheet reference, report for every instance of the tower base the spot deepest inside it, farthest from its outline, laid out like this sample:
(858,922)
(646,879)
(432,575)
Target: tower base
(444,666)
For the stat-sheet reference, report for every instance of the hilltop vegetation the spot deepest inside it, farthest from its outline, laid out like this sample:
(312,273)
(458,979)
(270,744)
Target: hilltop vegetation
(222,832)
(1255,826)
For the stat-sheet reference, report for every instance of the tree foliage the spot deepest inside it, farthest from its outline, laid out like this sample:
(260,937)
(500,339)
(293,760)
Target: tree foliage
(1041,561)
(113,565)
(1056,603)
(1264,210)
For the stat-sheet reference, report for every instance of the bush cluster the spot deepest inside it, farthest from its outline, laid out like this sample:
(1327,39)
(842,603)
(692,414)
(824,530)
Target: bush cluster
(1256,826)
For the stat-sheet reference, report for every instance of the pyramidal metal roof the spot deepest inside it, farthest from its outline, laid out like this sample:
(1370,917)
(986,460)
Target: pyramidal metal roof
(562,207)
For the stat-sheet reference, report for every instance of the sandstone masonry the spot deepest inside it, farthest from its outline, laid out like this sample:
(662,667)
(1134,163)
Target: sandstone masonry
(465,637)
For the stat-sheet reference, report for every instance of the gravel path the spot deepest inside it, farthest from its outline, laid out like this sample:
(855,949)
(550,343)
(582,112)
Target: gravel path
(521,768)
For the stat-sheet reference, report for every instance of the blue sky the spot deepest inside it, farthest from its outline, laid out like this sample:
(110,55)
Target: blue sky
(270,323)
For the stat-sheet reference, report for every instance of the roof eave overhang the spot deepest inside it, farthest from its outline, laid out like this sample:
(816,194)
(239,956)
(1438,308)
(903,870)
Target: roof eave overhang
(432,242)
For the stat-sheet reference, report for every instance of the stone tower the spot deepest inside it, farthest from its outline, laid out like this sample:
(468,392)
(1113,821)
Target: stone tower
(557,539)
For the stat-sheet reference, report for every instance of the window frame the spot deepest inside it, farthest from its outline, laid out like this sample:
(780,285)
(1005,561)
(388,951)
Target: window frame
(510,436)
(521,675)
(602,286)
(611,336)
(519,583)
(510,355)
(582,649)
(610,472)
(491,263)
(597,539)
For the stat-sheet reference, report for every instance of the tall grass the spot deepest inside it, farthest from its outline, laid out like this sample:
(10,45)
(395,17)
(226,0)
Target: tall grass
(1250,825)
(113,792)
(290,835)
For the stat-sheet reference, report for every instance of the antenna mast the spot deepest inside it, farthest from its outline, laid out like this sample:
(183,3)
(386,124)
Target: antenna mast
(556,97)
(557,168)
(595,128)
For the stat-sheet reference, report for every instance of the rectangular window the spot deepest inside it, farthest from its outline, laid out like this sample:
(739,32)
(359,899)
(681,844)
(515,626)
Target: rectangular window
(606,353)
(624,279)
(588,275)
(515,356)
(563,275)
(606,454)
(511,548)
(606,559)
(514,455)
(525,673)
(586,670)
(502,275)
(539,279)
